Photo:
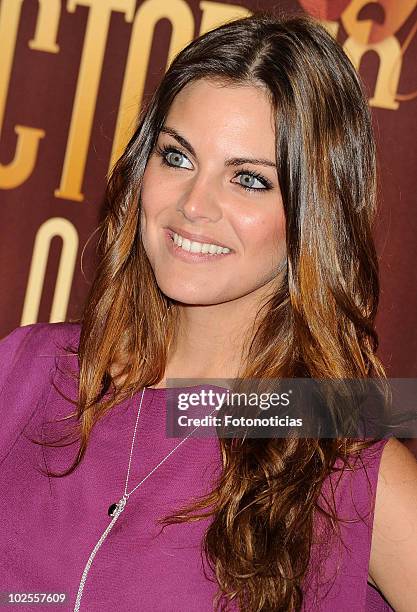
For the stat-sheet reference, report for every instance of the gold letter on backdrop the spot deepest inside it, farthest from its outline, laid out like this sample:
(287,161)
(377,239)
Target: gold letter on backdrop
(150,12)
(390,62)
(87,88)
(21,167)
(366,35)
(217,13)
(56,226)
(47,26)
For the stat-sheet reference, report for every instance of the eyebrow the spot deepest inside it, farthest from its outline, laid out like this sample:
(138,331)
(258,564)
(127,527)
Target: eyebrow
(234,161)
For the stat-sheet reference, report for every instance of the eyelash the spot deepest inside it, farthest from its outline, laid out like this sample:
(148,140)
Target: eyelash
(165,149)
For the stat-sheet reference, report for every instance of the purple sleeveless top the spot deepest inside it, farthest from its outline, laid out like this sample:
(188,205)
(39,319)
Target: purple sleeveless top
(51,525)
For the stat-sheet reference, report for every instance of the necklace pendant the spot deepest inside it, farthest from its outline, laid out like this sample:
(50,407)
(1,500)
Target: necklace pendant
(117,508)
(111,509)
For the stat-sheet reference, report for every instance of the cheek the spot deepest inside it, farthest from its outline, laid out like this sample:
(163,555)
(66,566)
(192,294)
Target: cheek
(264,234)
(279,235)
(149,191)
(155,190)
(149,199)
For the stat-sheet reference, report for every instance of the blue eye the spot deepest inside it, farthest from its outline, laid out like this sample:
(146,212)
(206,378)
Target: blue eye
(171,157)
(254,177)
(250,182)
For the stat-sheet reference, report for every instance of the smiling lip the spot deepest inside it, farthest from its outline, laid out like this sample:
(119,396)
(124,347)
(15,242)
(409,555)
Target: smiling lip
(189,257)
(196,237)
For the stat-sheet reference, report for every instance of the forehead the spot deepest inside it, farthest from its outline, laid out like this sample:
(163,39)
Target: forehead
(218,110)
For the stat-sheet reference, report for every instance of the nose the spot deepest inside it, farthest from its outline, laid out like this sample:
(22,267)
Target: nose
(201,200)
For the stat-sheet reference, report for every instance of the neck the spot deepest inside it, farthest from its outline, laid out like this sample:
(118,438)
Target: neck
(211,340)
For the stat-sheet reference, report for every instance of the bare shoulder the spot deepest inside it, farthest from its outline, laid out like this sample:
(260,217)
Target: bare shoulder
(393,560)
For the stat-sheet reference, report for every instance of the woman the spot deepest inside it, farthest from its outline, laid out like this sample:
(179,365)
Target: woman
(257,145)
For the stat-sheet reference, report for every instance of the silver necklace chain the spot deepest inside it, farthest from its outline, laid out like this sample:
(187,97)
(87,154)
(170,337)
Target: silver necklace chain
(115,510)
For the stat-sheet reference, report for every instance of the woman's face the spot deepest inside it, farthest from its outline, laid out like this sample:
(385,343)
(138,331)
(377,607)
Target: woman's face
(217,141)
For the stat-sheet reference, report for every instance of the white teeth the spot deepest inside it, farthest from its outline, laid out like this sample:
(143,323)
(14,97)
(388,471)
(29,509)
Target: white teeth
(195,247)
(186,244)
(198,247)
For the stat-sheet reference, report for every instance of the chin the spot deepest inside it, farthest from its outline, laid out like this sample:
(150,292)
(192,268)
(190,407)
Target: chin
(188,293)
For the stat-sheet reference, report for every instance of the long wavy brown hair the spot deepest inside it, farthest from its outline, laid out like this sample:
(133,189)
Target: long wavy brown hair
(318,324)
